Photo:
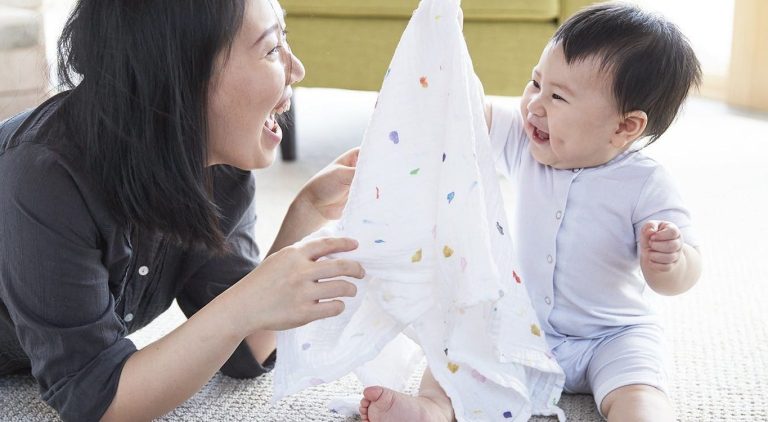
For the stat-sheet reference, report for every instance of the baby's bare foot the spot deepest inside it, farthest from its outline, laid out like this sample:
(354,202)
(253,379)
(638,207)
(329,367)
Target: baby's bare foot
(382,405)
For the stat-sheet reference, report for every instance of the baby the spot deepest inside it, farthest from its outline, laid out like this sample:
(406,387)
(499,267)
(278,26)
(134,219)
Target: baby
(596,221)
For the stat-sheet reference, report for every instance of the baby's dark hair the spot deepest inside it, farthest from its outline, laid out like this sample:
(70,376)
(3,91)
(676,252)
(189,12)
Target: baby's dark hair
(652,63)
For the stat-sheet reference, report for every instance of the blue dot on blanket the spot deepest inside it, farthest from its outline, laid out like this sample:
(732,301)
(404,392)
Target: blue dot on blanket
(451,196)
(394,137)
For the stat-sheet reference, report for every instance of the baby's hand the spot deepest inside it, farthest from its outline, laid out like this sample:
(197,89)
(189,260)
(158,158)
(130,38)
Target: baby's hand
(661,244)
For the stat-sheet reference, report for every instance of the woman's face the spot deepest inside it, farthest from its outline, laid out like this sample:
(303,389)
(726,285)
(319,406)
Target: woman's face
(250,86)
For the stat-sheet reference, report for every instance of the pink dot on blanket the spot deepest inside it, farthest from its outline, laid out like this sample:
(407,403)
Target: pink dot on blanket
(478,376)
(424,82)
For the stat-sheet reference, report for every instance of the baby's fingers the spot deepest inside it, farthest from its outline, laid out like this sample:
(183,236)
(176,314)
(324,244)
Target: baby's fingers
(666,231)
(666,246)
(662,261)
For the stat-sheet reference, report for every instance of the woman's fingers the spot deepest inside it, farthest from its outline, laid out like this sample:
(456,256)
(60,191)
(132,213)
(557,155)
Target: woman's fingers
(331,268)
(349,158)
(333,289)
(319,248)
(345,175)
(328,309)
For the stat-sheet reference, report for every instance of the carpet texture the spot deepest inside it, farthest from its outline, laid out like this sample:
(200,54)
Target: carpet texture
(717,331)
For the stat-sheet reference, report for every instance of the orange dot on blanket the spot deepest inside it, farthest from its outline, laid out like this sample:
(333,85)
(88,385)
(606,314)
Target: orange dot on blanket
(424,82)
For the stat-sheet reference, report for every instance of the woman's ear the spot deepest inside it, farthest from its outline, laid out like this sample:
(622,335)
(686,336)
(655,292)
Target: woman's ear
(630,128)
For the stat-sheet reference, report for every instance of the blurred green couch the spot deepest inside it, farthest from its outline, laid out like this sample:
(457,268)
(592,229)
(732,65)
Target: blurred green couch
(349,43)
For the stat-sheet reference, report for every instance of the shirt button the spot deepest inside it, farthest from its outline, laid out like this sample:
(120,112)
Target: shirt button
(547,300)
(549,259)
(143,270)
(559,215)
(128,317)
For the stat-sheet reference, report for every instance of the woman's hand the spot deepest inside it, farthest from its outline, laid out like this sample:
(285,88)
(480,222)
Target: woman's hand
(327,191)
(283,292)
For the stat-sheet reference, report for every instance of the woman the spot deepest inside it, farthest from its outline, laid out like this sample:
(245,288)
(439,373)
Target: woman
(132,189)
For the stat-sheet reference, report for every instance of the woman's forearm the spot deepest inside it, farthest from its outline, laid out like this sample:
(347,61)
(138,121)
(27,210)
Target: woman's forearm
(167,372)
(301,219)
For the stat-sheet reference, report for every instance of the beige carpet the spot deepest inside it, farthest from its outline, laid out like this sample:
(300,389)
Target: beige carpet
(717,331)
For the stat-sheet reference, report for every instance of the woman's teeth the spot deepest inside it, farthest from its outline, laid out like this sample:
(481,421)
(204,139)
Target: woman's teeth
(271,123)
(283,108)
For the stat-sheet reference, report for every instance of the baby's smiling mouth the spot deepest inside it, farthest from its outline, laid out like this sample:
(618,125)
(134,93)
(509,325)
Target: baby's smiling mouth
(540,135)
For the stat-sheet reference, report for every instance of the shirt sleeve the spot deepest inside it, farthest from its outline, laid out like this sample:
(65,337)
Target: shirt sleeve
(508,140)
(660,199)
(55,287)
(234,193)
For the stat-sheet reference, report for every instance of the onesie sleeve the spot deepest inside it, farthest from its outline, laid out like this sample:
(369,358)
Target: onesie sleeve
(55,286)
(508,139)
(660,199)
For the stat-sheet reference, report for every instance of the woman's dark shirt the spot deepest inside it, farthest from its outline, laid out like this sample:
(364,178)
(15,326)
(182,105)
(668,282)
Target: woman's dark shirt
(74,283)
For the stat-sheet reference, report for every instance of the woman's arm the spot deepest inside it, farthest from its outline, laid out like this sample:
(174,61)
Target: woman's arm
(321,199)
(164,374)
(281,293)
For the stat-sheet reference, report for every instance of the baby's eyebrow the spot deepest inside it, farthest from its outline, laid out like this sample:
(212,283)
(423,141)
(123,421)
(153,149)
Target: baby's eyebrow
(564,88)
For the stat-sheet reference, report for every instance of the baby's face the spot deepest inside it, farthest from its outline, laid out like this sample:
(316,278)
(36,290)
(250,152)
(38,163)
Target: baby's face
(570,114)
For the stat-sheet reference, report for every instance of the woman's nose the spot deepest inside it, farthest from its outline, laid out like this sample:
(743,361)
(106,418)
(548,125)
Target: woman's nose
(296,70)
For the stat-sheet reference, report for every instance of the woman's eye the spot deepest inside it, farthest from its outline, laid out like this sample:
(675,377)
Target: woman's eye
(275,50)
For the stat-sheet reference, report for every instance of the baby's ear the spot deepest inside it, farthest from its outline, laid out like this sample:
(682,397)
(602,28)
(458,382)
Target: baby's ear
(631,127)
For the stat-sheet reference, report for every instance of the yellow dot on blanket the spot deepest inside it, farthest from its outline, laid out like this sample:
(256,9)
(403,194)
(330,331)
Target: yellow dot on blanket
(535,330)
(447,251)
(453,367)
(417,256)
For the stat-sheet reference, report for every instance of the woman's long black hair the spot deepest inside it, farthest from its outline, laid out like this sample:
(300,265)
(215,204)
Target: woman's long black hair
(139,71)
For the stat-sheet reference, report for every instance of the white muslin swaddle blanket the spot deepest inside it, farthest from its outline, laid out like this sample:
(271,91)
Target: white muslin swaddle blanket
(426,207)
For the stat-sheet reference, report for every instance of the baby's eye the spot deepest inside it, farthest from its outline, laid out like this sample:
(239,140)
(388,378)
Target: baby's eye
(557,97)
(535,84)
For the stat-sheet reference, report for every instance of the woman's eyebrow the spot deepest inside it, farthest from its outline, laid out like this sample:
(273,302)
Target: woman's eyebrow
(268,31)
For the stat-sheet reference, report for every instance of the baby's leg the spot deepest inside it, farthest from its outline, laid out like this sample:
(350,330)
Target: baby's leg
(637,403)
(383,404)
(627,373)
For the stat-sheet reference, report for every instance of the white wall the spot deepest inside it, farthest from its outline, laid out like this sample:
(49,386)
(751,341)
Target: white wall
(708,25)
